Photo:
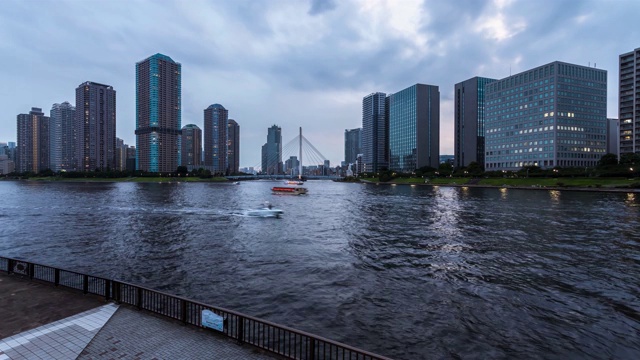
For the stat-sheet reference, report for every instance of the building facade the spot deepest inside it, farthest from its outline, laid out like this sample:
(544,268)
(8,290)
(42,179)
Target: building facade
(469,121)
(95,127)
(375,133)
(215,138)
(233,146)
(32,153)
(62,134)
(191,145)
(613,137)
(414,128)
(352,145)
(552,115)
(272,152)
(158,114)
(629,102)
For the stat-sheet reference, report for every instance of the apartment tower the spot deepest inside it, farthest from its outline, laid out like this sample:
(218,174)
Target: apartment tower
(95,119)
(62,134)
(215,138)
(32,153)
(233,146)
(158,114)
(191,152)
(375,132)
(629,102)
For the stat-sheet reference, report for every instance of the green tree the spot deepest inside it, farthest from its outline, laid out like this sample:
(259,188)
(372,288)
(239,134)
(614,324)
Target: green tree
(630,159)
(608,160)
(182,170)
(474,168)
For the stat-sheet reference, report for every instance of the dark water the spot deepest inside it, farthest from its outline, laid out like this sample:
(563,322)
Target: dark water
(407,272)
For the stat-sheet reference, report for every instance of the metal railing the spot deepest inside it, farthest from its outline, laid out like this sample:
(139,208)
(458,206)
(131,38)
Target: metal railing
(278,339)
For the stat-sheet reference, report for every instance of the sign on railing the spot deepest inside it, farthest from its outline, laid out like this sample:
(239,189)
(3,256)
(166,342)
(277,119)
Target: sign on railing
(212,320)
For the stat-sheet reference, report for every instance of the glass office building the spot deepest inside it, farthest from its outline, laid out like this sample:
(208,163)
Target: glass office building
(414,128)
(469,122)
(552,115)
(375,133)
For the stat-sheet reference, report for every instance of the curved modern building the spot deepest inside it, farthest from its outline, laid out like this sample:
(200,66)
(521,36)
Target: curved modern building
(158,114)
(191,151)
(215,138)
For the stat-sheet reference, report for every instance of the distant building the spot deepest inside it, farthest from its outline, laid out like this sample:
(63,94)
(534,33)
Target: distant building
(542,117)
(469,120)
(95,119)
(375,132)
(62,134)
(613,137)
(292,166)
(191,145)
(121,155)
(414,128)
(6,165)
(158,114)
(233,146)
(215,138)
(352,145)
(447,159)
(11,145)
(272,152)
(629,102)
(33,142)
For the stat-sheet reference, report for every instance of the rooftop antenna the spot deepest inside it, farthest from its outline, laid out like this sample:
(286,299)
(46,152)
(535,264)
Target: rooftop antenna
(594,64)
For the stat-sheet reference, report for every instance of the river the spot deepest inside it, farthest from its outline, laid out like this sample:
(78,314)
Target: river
(410,272)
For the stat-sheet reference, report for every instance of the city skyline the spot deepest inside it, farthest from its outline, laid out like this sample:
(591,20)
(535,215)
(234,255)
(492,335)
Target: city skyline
(295,58)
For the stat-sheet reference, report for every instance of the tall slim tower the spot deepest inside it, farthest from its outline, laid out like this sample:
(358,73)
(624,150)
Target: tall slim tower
(158,114)
(233,146)
(33,142)
(352,145)
(191,145)
(62,133)
(272,152)
(375,132)
(215,137)
(629,102)
(469,121)
(414,128)
(95,127)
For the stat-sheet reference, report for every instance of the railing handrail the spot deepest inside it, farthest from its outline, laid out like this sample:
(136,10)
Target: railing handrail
(110,296)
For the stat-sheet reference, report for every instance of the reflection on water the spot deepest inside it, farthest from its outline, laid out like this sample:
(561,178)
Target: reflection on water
(411,272)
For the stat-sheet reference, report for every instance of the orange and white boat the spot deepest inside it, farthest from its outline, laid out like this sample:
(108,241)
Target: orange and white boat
(286,190)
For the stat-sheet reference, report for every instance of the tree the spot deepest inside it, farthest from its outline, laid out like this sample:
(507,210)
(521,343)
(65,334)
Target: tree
(608,160)
(630,159)
(182,170)
(474,168)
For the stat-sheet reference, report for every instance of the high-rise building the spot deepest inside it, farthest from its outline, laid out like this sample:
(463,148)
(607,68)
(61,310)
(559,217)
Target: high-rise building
(191,145)
(292,166)
(158,114)
(272,152)
(469,121)
(62,134)
(552,115)
(414,128)
(95,127)
(613,137)
(629,102)
(215,138)
(352,144)
(233,146)
(375,132)
(33,142)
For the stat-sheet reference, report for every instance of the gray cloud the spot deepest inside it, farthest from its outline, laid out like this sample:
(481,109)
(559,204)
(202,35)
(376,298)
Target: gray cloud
(294,63)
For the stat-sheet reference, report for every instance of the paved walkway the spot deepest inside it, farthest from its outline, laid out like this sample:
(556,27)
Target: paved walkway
(40,321)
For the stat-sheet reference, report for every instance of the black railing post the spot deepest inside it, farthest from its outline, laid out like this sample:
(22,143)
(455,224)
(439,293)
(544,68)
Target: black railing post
(107,289)
(184,311)
(139,302)
(56,277)
(240,327)
(9,266)
(116,290)
(31,271)
(85,284)
(312,348)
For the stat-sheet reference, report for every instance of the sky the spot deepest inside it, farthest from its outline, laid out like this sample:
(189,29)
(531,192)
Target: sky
(296,63)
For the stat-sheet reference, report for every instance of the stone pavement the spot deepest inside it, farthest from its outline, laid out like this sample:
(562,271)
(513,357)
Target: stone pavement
(40,321)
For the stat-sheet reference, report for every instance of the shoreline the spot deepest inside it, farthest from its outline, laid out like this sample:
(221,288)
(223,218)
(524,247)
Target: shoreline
(548,188)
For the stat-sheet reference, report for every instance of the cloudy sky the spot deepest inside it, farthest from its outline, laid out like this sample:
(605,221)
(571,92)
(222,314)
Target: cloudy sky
(292,62)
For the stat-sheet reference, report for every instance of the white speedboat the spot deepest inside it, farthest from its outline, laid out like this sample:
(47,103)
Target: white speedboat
(265,212)
(294,182)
